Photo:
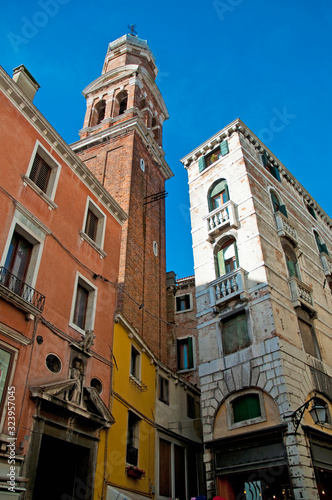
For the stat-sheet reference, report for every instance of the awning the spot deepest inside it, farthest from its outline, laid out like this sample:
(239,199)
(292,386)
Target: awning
(120,494)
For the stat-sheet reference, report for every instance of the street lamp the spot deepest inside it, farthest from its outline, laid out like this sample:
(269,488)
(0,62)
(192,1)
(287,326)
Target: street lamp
(317,412)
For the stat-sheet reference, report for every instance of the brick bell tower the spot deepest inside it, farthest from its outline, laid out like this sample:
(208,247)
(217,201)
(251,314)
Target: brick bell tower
(121,143)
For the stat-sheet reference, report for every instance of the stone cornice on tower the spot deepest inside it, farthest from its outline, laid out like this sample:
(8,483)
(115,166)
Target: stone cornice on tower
(239,127)
(126,46)
(132,124)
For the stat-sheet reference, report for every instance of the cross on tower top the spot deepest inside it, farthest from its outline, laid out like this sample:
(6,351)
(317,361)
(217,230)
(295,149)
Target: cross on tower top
(132,28)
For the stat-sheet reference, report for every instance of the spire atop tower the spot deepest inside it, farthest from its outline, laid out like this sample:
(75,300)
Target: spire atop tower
(132,28)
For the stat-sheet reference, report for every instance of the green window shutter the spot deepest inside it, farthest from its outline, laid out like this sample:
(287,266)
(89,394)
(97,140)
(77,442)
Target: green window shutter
(224,148)
(275,172)
(291,268)
(242,331)
(275,202)
(218,188)
(190,353)
(246,407)
(221,263)
(201,163)
(264,159)
(323,248)
(283,210)
(236,255)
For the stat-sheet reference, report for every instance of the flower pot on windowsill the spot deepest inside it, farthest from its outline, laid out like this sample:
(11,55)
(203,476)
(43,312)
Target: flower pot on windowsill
(135,472)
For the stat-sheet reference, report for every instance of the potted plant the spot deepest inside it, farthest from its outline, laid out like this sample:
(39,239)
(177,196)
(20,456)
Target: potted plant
(134,472)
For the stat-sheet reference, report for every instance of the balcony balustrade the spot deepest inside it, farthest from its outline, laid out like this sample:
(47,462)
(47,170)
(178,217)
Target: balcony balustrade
(20,292)
(285,228)
(301,294)
(220,218)
(231,285)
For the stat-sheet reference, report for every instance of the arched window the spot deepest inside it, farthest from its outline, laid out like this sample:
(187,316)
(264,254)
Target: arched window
(321,246)
(292,263)
(122,99)
(277,206)
(98,113)
(218,194)
(227,258)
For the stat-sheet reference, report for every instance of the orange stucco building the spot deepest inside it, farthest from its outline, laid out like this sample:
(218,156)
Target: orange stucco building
(59,259)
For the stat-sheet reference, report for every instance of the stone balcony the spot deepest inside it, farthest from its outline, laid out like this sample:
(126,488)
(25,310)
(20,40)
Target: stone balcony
(285,228)
(221,218)
(230,286)
(301,294)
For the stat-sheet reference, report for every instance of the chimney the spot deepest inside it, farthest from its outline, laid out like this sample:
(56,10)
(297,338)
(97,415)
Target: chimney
(25,81)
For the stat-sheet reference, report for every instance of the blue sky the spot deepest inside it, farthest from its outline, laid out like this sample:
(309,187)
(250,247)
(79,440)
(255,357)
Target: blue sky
(217,60)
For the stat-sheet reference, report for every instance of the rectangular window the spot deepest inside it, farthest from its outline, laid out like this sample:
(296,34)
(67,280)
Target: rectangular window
(246,407)
(20,262)
(94,225)
(191,406)
(40,173)
(163,390)
(132,439)
(235,333)
(185,353)
(308,335)
(207,160)
(135,363)
(165,471)
(43,174)
(180,474)
(83,305)
(183,302)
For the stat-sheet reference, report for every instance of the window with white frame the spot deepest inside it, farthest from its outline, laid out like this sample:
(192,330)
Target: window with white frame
(83,305)
(21,258)
(94,225)
(135,363)
(183,302)
(43,173)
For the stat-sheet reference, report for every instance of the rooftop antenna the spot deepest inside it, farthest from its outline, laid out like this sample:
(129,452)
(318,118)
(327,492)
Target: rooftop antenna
(132,28)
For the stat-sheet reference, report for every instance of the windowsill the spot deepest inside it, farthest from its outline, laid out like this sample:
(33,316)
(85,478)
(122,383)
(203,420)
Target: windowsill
(36,189)
(137,383)
(77,328)
(184,311)
(245,423)
(92,243)
(186,370)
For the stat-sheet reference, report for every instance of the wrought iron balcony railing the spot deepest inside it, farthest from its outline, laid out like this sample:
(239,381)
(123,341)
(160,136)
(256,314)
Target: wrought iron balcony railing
(231,285)
(14,285)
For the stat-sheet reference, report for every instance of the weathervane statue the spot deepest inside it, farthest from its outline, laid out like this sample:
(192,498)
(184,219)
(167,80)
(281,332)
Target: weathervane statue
(132,28)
